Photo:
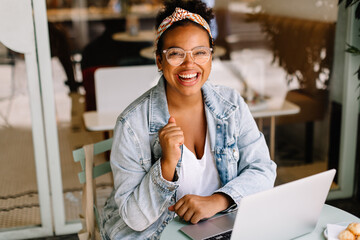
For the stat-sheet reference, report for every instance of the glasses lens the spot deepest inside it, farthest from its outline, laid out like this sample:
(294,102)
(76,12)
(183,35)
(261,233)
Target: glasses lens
(175,56)
(201,55)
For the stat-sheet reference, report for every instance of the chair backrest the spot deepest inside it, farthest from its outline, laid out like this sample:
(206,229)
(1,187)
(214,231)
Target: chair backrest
(90,212)
(98,170)
(117,87)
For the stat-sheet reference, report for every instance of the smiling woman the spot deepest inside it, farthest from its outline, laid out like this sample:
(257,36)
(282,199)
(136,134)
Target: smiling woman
(185,147)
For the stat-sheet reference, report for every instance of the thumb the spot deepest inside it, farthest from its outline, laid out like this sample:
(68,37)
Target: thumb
(172,120)
(171,208)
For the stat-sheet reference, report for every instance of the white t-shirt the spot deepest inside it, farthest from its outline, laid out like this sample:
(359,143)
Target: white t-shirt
(198,176)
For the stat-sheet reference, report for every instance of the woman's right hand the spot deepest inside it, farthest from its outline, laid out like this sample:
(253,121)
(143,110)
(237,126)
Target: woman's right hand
(171,138)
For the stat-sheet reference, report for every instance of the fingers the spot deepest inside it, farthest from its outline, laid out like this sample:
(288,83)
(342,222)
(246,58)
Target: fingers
(171,138)
(171,135)
(168,132)
(187,209)
(193,208)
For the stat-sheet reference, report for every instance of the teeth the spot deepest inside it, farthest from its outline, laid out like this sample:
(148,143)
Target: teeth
(188,75)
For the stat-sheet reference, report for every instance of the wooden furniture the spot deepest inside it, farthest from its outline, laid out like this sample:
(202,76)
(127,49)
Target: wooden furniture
(89,172)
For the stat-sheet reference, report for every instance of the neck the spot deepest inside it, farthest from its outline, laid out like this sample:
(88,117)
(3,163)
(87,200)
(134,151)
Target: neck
(184,102)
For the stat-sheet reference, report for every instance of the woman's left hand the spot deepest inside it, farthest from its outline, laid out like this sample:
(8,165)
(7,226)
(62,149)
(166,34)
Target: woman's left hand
(193,208)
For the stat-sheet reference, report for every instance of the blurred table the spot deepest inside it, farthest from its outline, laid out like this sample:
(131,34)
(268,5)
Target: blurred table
(83,14)
(97,13)
(329,214)
(142,36)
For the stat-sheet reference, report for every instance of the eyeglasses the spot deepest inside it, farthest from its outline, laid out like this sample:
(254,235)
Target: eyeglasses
(176,56)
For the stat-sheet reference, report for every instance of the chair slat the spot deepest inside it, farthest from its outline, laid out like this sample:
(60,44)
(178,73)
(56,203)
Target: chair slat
(98,171)
(100,147)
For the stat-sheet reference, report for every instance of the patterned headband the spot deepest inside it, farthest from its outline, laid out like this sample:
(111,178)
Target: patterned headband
(178,15)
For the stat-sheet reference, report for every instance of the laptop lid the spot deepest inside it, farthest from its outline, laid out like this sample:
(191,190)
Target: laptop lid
(283,212)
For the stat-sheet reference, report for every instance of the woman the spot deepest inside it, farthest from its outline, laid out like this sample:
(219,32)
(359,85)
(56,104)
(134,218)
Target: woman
(185,147)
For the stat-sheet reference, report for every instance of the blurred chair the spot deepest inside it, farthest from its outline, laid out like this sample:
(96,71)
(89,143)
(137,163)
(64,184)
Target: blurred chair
(117,87)
(304,48)
(89,86)
(89,172)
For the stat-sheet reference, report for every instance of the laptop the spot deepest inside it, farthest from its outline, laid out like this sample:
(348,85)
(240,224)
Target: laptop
(283,212)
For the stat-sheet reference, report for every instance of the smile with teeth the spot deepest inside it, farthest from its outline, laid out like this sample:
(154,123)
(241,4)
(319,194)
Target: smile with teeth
(188,77)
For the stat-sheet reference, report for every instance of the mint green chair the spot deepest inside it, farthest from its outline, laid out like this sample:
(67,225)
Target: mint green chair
(85,155)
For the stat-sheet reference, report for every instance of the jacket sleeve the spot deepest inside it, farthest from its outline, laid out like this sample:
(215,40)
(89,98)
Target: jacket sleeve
(142,194)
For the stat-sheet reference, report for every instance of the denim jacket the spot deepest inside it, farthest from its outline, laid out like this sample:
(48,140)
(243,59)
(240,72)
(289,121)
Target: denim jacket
(138,206)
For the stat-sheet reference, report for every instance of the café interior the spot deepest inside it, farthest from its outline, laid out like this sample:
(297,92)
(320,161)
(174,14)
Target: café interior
(287,58)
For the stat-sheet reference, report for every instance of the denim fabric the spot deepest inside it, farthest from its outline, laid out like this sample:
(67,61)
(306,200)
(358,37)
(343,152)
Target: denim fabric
(138,206)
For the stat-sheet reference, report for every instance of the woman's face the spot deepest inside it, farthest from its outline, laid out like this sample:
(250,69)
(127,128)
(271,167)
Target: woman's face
(187,78)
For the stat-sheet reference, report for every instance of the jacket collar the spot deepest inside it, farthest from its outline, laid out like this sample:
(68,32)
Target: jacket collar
(159,112)
(158,107)
(216,102)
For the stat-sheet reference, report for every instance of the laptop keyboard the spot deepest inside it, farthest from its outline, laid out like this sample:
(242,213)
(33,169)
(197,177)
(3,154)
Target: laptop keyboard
(221,236)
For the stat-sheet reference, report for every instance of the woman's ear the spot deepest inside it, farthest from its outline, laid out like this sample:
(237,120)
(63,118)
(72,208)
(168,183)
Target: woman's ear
(159,62)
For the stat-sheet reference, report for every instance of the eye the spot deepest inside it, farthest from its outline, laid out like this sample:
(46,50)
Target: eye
(175,53)
(200,53)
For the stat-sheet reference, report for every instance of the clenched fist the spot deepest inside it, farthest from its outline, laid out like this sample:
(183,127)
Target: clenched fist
(171,138)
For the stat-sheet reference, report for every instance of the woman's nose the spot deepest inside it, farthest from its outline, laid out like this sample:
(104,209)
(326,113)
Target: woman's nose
(188,59)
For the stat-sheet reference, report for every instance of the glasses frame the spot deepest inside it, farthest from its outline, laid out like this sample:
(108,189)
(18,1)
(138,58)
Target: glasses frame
(186,52)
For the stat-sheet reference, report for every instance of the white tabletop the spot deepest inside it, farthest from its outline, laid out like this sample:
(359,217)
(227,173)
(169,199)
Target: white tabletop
(142,36)
(328,215)
(105,121)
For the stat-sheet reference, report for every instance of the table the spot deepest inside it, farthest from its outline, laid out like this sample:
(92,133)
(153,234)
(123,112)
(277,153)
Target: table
(142,36)
(105,121)
(83,14)
(149,52)
(288,108)
(329,214)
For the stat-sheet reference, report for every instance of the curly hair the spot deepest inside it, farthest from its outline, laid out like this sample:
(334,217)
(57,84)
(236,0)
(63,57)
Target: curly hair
(194,6)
